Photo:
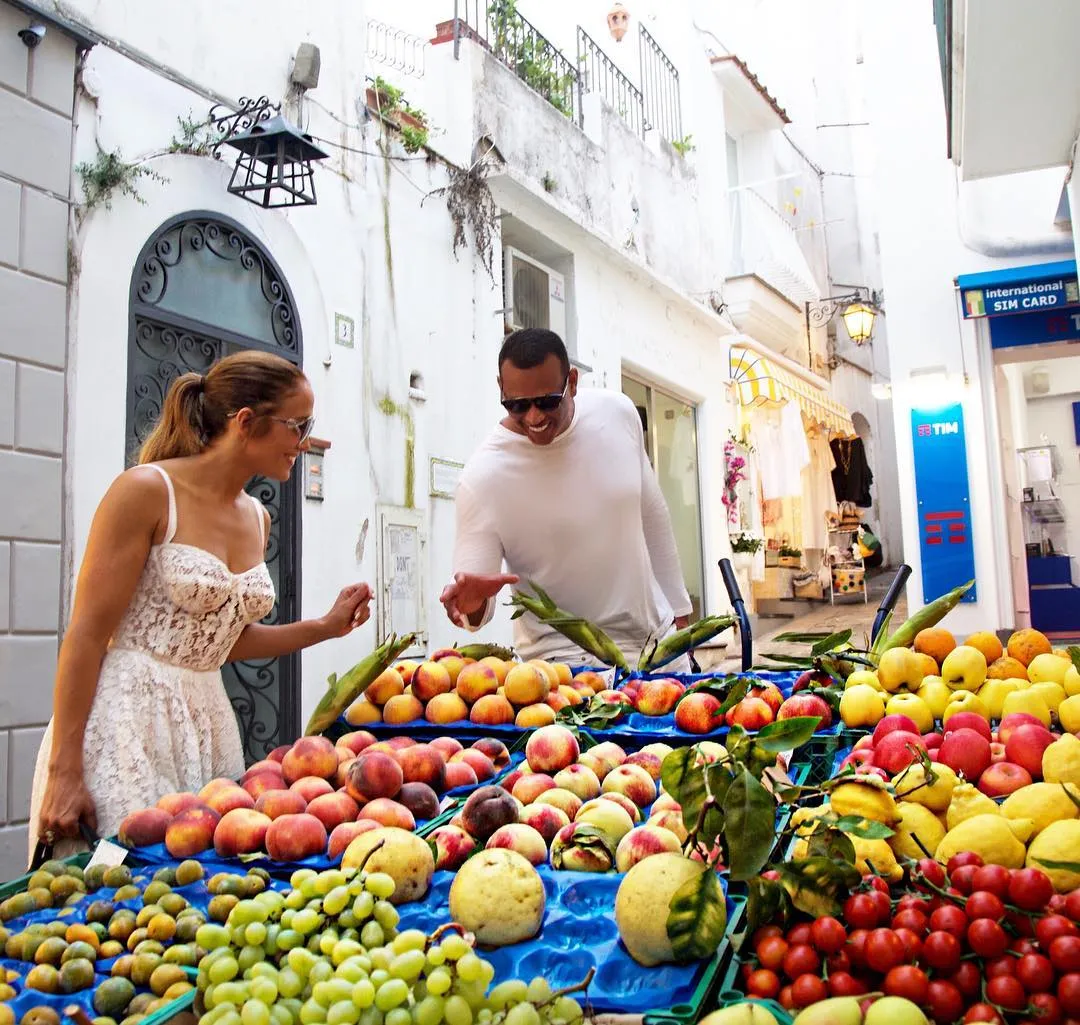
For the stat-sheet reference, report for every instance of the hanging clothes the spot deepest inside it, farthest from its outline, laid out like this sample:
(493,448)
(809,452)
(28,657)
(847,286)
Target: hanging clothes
(818,493)
(782,451)
(852,476)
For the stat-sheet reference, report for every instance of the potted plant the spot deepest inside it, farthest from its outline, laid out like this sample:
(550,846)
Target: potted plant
(743,549)
(790,557)
(389,103)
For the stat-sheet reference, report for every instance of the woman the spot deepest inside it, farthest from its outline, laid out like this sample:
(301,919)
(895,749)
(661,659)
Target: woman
(173,585)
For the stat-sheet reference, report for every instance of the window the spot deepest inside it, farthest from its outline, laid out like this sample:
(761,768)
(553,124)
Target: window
(670,427)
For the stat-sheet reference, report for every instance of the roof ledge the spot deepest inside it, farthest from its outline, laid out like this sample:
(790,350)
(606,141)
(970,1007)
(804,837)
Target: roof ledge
(759,108)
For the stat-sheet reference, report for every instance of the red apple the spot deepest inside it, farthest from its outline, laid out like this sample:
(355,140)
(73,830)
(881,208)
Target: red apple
(1003,778)
(968,721)
(812,678)
(864,756)
(997,752)
(867,742)
(808,705)
(892,723)
(895,751)
(1026,745)
(1015,720)
(932,740)
(966,752)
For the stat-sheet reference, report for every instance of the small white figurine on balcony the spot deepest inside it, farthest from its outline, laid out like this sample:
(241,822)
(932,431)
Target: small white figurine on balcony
(618,21)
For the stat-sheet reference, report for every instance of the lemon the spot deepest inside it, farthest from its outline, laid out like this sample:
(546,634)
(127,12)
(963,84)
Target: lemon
(802,820)
(996,839)
(1059,841)
(916,821)
(911,786)
(935,693)
(966,803)
(994,692)
(1043,803)
(1052,693)
(1048,668)
(876,853)
(1069,713)
(1071,683)
(1061,760)
(862,705)
(865,800)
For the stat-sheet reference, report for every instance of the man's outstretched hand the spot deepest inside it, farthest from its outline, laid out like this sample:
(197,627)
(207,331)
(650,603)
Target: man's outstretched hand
(467,596)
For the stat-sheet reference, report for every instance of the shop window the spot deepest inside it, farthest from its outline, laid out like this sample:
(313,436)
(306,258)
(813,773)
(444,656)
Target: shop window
(670,427)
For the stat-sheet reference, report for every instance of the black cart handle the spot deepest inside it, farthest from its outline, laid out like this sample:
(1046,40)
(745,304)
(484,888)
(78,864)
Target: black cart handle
(892,596)
(727,573)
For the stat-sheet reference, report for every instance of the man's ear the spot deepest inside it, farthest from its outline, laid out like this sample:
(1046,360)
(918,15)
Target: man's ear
(572,379)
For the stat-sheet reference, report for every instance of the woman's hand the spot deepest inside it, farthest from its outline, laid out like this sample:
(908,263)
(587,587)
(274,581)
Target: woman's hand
(352,609)
(65,804)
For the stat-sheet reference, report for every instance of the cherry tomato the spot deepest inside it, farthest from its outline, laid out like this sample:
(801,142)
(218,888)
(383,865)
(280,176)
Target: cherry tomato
(808,989)
(986,938)
(856,947)
(1020,922)
(828,935)
(912,945)
(912,902)
(906,981)
(1051,927)
(982,1013)
(1036,973)
(963,858)
(798,934)
(786,1000)
(1022,945)
(1030,889)
(930,870)
(911,919)
(877,883)
(949,918)
(963,879)
(882,904)
(884,950)
(1072,905)
(1006,991)
(941,951)
(838,962)
(1068,993)
(1057,904)
(764,932)
(1065,954)
(772,875)
(992,879)
(861,911)
(801,959)
(944,1001)
(843,984)
(770,952)
(1004,965)
(968,979)
(763,983)
(983,904)
(1046,1009)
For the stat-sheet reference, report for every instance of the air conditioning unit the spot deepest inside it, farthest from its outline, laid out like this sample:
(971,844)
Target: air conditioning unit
(534,295)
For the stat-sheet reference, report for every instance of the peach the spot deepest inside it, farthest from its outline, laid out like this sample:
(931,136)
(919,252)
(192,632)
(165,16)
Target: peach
(452,846)
(609,817)
(310,787)
(356,741)
(341,777)
(531,716)
(616,697)
(261,782)
(496,750)
(597,766)
(492,710)
(361,712)
(444,708)
(344,754)
(564,800)
(191,832)
(144,828)
(309,756)
(567,853)
(594,681)
(344,834)
(610,752)
(333,809)
(220,783)
(278,753)
(460,774)
(556,700)
(449,746)
(547,670)
(275,803)
(696,713)
(486,810)
(173,804)
(499,667)
(453,664)
(579,780)
(583,688)
(806,705)
(659,697)
(665,802)
(400,743)
(430,678)
(751,714)
(642,842)
(528,788)
(625,803)
(526,684)
(546,819)
(423,763)
(406,670)
(573,696)
(516,836)
(482,766)
(770,694)
(476,680)
(632,781)
(240,831)
(388,684)
(670,820)
(660,750)
(266,765)
(420,799)
(374,775)
(227,798)
(551,748)
(402,709)
(647,761)
(388,813)
(294,837)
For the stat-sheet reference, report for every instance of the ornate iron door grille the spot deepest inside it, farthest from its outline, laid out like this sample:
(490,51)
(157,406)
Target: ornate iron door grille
(202,289)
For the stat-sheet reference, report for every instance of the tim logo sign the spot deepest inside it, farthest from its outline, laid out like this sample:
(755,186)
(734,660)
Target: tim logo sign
(934,430)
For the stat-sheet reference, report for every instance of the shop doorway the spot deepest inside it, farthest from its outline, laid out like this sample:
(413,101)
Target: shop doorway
(671,441)
(202,288)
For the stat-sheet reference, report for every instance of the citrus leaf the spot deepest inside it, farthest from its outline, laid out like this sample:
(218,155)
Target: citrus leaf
(786,734)
(1070,795)
(864,829)
(802,661)
(802,638)
(830,643)
(767,903)
(815,884)
(738,691)
(685,782)
(749,825)
(697,917)
(830,843)
(1060,866)
(1074,655)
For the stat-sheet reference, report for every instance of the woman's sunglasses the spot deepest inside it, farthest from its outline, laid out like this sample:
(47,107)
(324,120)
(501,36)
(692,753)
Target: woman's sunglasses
(545,403)
(303,427)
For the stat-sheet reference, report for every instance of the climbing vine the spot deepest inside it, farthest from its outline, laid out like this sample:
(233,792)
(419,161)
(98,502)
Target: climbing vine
(109,174)
(197,138)
(530,56)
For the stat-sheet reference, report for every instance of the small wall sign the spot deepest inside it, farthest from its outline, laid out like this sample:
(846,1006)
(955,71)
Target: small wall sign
(445,475)
(313,476)
(344,330)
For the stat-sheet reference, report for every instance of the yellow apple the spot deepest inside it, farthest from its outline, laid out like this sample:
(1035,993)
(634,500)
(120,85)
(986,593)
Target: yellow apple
(1048,669)
(935,694)
(914,708)
(861,706)
(964,668)
(1071,683)
(965,701)
(1030,701)
(994,692)
(1052,693)
(899,670)
(864,678)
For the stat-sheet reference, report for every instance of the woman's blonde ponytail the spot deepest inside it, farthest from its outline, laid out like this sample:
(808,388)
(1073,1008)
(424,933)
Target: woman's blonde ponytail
(180,431)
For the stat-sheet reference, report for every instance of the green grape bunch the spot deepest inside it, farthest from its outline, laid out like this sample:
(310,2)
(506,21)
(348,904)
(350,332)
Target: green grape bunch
(328,952)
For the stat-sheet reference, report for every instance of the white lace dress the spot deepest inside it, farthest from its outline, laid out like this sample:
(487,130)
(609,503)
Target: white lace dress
(161,720)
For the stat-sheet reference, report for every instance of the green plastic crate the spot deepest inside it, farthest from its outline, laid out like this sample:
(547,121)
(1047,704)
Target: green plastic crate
(182,1005)
(730,993)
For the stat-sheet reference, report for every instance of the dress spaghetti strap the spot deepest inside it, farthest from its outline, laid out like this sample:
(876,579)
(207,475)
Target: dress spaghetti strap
(170,527)
(261,518)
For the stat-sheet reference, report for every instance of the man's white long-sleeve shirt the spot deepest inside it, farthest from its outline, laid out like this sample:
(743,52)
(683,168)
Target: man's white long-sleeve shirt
(584,518)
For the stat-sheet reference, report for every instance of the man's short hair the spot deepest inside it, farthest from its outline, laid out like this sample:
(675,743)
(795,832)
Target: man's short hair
(530,346)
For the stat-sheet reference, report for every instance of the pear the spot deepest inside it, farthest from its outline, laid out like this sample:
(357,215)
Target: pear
(836,1011)
(740,1014)
(893,1011)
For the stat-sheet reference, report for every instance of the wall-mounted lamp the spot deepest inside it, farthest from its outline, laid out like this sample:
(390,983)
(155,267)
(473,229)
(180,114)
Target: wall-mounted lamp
(859,311)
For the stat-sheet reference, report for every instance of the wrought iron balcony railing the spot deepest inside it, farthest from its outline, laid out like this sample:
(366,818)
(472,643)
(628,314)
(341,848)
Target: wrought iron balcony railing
(597,73)
(660,88)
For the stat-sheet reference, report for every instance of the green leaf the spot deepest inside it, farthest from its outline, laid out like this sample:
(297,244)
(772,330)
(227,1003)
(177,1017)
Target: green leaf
(830,643)
(800,661)
(802,638)
(735,695)
(864,829)
(815,884)
(787,734)
(832,844)
(685,782)
(749,826)
(1074,654)
(697,917)
(767,902)
(1061,866)
(1070,795)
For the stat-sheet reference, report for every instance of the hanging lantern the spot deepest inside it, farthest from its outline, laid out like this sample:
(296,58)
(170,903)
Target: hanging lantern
(274,166)
(858,318)
(618,21)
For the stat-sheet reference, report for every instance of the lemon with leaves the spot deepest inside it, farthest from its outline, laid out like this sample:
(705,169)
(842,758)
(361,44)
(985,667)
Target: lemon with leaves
(996,839)
(933,792)
(1056,851)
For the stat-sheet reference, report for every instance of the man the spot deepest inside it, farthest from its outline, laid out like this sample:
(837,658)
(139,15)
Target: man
(563,493)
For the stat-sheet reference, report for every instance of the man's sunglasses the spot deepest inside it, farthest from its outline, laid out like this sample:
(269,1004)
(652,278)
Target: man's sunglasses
(545,403)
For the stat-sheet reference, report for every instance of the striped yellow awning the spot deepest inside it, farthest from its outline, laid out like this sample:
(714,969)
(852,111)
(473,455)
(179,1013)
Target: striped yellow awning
(759,381)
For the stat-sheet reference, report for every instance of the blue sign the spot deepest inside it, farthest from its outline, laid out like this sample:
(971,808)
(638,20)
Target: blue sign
(941,492)
(1039,287)
(1035,329)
